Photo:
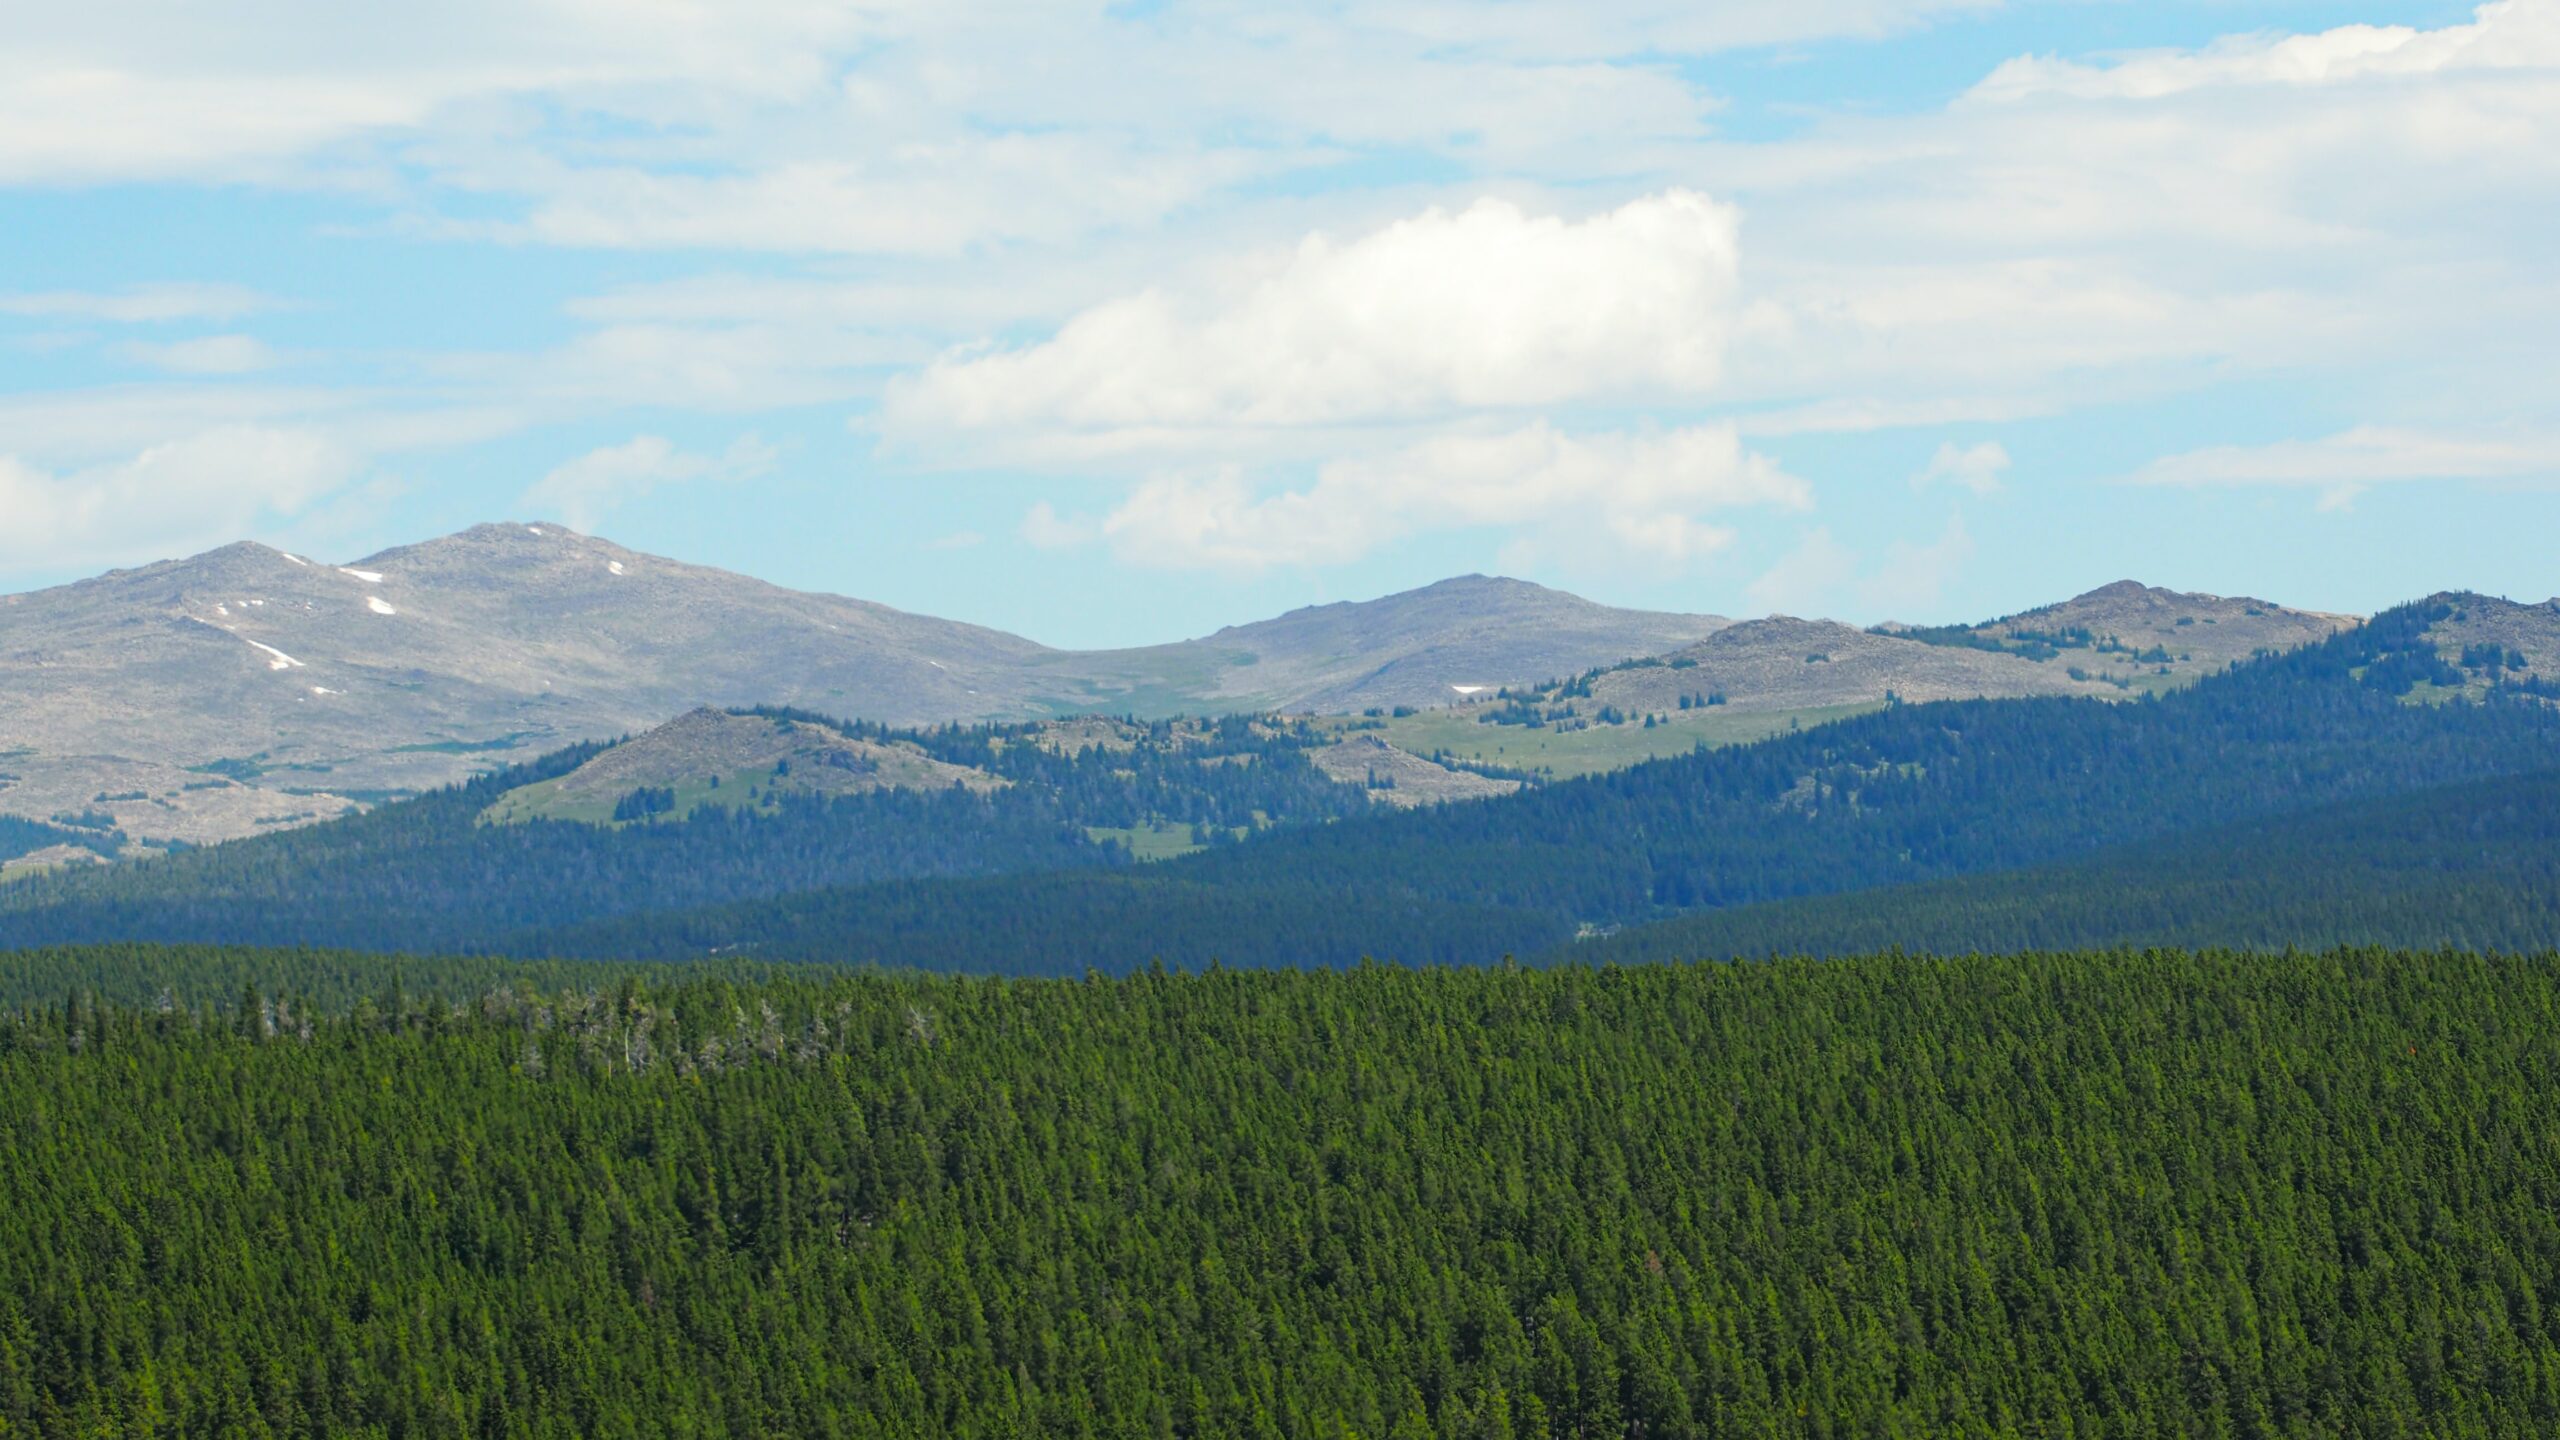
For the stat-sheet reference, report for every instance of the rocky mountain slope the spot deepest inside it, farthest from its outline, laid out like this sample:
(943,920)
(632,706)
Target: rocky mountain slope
(2129,628)
(1748,679)
(249,689)
(1784,663)
(1432,646)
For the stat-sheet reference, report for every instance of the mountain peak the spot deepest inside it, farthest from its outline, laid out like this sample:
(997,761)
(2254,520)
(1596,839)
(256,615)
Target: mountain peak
(2124,590)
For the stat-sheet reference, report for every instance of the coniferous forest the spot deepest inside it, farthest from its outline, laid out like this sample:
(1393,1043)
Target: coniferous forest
(2088,1194)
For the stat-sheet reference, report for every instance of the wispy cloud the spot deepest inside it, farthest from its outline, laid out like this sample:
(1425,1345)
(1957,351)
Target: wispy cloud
(206,355)
(582,491)
(184,495)
(140,304)
(2343,465)
(1976,468)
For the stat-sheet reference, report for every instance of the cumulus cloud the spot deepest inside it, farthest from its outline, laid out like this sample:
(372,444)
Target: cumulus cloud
(1976,468)
(1644,494)
(583,490)
(182,496)
(1486,307)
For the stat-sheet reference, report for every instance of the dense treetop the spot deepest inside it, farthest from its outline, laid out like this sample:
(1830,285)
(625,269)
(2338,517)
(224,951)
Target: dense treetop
(2114,1194)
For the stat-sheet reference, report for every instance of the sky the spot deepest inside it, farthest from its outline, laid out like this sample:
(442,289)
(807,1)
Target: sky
(1109,324)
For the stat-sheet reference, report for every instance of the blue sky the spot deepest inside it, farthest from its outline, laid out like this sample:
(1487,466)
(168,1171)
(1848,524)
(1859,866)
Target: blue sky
(1109,324)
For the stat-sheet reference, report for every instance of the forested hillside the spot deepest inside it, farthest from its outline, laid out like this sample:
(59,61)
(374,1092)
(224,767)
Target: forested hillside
(2118,1194)
(432,874)
(1919,792)
(2473,866)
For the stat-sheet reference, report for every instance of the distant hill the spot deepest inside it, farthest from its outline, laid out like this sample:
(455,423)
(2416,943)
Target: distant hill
(1756,676)
(714,758)
(1910,794)
(1432,646)
(1783,663)
(2130,629)
(710,809)
(247,689)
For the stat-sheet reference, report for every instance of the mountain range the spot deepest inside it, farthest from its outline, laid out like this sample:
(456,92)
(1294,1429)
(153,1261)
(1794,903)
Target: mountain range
(249,690)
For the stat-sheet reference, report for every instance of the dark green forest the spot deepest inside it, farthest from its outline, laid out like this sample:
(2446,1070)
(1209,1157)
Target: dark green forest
(2097,1194)
(25,837)
(2474,866)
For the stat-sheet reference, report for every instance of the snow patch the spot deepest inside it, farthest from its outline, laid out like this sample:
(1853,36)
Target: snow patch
(938,665)
(536,529)
(221,609)
(375,604)
(614,565)
(257,602)
(370,577)
(296,559)
(1471,689)
(282,661)
(325,690)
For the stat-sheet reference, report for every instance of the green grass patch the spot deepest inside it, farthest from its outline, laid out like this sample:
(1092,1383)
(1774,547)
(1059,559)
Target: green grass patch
(462,747)
(1157,840)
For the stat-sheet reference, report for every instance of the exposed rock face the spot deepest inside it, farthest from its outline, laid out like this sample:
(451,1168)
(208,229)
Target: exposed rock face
(425,664)
(1401,778)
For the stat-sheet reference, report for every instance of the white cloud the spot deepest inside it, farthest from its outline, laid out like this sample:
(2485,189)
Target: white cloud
(1976,468)
(206,355)
(139,304)
(207,489)
(1636,494)
(2343,465)
(1487,307)
(581,491)
(2509,34)
(1821,576)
